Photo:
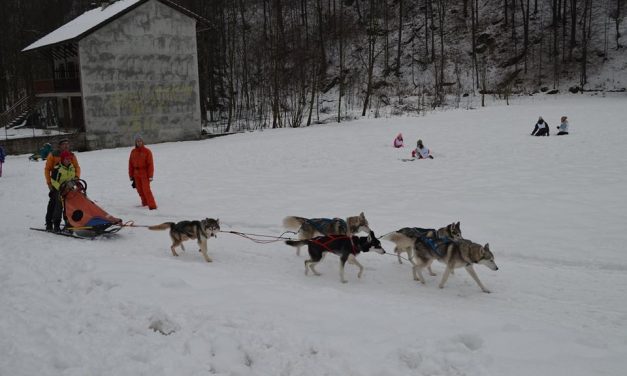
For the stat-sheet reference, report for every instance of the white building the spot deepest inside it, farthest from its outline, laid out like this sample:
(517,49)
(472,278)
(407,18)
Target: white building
(125,67)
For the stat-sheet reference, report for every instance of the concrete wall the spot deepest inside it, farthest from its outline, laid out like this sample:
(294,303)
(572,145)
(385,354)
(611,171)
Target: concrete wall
(139,74)
(16,146)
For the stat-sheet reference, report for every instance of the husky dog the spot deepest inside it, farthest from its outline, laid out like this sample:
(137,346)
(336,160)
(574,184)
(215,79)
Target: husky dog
(407,238)
(347,247)
(186,230)
(455,254)
(308,228)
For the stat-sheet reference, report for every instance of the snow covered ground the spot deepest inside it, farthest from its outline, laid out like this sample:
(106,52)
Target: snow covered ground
(552,208)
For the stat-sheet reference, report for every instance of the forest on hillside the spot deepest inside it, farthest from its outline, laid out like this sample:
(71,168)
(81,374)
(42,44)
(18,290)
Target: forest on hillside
(283,63)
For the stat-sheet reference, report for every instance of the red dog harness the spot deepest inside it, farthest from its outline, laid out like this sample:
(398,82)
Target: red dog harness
(329,239)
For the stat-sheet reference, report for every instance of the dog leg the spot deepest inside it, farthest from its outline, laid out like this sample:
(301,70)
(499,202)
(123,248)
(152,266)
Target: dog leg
(353,260)
(311,264)
(342,279)
(474,276)
(398,254)
(431,273)
(203,250)
(204,254)
(172,249)
(417,274)
(447,272)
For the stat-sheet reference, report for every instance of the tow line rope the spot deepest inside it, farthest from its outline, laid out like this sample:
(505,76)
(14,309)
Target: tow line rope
(255,237)
(132,224)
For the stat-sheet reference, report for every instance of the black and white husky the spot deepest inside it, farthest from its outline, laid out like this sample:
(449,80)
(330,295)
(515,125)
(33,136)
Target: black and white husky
(347,247)
(307,228)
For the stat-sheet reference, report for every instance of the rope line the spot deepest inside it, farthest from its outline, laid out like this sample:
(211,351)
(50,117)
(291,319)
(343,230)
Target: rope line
(254,237)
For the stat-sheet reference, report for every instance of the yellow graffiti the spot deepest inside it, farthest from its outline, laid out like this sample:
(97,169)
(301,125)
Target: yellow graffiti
(168,99)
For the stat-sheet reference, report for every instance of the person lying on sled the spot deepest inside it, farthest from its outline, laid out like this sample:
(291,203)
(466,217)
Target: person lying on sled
(421,151)
(62,172)
(398,141)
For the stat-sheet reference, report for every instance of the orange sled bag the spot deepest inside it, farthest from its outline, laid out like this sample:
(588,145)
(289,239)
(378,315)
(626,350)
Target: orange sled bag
(82,213)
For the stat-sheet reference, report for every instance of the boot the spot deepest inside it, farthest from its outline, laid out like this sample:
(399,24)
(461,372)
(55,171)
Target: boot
(57,227)
(48,226)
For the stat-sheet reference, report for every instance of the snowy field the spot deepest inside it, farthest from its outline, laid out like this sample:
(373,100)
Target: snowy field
(553,209)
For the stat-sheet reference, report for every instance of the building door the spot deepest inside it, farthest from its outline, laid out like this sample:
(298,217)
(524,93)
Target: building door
(64,113)
(78,119)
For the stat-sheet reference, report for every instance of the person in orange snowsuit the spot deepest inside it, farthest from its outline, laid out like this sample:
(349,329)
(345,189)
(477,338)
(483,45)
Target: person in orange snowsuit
(140,171)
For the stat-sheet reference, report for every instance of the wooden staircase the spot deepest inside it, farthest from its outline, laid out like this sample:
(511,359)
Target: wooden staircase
(18,112)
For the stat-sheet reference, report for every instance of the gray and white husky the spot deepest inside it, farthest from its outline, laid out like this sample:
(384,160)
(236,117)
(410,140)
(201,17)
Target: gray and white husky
(407,238)
(455,254)
(307,228)
(185,230)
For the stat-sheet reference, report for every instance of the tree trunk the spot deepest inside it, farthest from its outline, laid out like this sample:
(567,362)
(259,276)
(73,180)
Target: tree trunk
(524,7)
(618,19)
(473,36)
(341,72)
(400,37)
(573,28)
(372,40)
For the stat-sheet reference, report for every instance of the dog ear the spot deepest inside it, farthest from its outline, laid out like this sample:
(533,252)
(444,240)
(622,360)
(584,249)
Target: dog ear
(362,215)
(487,246)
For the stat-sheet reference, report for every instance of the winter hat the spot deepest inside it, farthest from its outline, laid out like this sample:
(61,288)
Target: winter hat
(63,140)
(137,137)
(564,118)
(419,143)
(65,154)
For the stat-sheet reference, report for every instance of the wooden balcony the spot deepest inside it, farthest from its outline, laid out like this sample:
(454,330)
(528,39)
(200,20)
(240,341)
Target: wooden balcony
(57,85)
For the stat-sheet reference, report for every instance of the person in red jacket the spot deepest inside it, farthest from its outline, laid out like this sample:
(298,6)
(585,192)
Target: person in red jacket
(140,171)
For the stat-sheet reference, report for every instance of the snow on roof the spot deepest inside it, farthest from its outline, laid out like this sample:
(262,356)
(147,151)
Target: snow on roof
(82,23)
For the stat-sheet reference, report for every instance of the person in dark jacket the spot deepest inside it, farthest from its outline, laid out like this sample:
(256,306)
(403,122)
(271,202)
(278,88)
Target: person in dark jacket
(2,155)
(140,171)
(541,128)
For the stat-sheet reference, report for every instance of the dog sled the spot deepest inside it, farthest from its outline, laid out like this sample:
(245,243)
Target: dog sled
(85,219)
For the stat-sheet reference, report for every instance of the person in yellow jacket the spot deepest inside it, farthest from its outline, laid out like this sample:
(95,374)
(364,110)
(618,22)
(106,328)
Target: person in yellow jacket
(61,173)
(53,160)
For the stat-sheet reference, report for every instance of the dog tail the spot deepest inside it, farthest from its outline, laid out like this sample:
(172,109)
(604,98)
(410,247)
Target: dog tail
(163,226)
(293,223)
(296,243)
(396,237)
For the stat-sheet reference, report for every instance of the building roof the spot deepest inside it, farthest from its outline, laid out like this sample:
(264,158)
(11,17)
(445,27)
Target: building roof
(93,19)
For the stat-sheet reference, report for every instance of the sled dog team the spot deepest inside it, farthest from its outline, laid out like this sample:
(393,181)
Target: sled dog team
(337,236)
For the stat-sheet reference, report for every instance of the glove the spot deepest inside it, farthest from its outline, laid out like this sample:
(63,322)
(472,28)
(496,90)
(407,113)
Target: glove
(133,183)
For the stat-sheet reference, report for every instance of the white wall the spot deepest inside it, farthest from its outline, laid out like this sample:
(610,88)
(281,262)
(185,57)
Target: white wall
(140,74)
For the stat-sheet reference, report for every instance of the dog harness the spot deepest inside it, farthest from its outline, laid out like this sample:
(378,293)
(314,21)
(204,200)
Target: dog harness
(433,243)
(320,223)
(327,241)
(180,227)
